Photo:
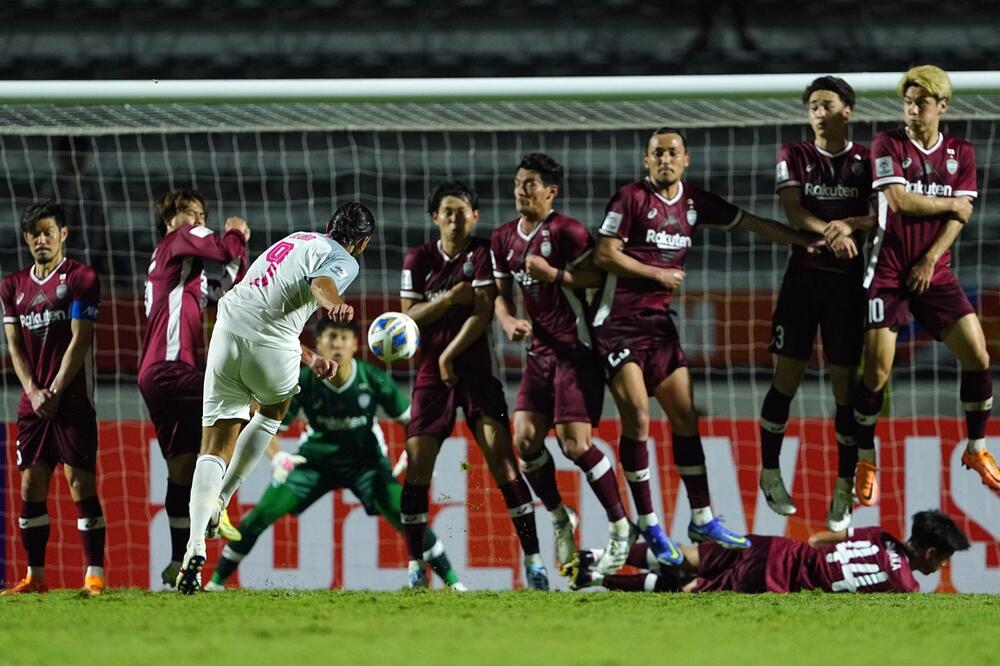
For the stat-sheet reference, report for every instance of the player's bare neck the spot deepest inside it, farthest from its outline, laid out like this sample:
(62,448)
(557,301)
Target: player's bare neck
(344,371)
(453,248)
(925,136)
(832,144)
(528,222)
(43,270)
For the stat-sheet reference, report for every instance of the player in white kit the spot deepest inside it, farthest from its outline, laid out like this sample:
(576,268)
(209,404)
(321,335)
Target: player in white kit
(255,354)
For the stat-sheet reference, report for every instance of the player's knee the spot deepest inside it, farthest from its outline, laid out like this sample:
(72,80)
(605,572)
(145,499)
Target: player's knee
(684,422)
(574,447)
(82,486)
(635,422)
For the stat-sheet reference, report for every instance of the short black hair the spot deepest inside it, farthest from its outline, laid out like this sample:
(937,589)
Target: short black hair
(168,205)
(834,84)
(452,188)
(547,167)
(40,210)
(670,130)
(934,529)
(324,325)
(351,224)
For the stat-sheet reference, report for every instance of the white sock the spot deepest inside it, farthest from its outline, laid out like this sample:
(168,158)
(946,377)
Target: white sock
(868,455)
(533,560)
(95,571)
(652,563)
(559,514)
(647,519)
(649,583)
(36,572)
(976,445)
(205,487)
(250,448)
(768,475)
(702,515)
(620,527)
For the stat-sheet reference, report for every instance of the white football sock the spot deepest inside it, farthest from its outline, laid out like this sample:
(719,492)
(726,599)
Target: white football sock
(250,448)
(205,487)
(702,515)
(976,445)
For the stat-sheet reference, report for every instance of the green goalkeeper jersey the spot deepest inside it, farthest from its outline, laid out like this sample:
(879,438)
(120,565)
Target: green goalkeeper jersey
(342,428)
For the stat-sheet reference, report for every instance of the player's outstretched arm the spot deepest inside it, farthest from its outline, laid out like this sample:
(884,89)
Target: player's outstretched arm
(919,205)
(920,275)
(778,233)
(473,327)
(797,214)
(582,276)
(827,538)
(429,312)
(324,291)
(608,256)
(517,329)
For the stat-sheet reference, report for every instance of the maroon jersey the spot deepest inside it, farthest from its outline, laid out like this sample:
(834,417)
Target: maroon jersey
(657,232)
(557,313)
(427,274)
(44,310)
(176,291)
(833,187)
(946,169)
(869,560)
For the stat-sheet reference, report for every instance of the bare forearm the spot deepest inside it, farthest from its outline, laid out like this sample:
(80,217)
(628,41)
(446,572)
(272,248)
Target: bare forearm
(861,222)
(21,366)
(473,327)
(803,220)
(617,262)
(504,308)
(944,240)
(273,447)
(429,312)
(775,231)
(325,293)
(917,205)
(72,361)
(583,278)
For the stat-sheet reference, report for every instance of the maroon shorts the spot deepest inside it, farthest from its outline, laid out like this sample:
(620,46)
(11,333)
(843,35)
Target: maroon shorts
(650,341)
(722,570)
(173,394)
(70,439)
(568,387)
(944,303)
(434,405)
(833,302)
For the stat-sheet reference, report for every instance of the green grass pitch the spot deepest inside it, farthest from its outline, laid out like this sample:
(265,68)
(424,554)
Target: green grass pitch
(509,628)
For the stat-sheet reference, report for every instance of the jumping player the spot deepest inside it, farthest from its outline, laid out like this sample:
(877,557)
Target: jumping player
(447,287)
(49,310)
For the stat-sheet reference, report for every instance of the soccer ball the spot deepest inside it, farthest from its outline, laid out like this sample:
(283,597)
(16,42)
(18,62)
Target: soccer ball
(393,336)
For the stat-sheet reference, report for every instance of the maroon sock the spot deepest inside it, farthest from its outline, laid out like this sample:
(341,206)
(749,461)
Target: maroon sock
(414,505)
(637,556)
(847,444)
(90,523)
(522,513)
(627,582)
(597,468)
(689,457)
(34,524)
(176,505)
(634,457)
(540,470)
(867,405)
(773,420)
(977,400)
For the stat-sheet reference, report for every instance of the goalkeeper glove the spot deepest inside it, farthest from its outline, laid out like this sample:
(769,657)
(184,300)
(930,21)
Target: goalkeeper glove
(283,463)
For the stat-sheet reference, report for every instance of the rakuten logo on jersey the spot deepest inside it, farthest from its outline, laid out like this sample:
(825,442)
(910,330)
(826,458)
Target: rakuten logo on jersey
(929,189)
(667,241)
(824,191)
(37,320)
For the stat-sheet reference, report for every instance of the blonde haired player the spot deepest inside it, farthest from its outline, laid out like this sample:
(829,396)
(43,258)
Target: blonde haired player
(255,354)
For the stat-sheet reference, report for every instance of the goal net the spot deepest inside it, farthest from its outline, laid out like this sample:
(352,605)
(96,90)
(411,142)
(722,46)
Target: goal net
(286,165)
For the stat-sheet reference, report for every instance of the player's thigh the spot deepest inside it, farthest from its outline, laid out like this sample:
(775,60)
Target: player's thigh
(965,339)
(225,394)
(535,394)
(788,373)
(432,412)
(272,375)
(306,483)
(794,322)
(530,429)
(578,388)
(842,316)
(35,444)
(880,352)
(493,438)
(378,491)
(82,482)
(35,482)
(676,395)
(629,392)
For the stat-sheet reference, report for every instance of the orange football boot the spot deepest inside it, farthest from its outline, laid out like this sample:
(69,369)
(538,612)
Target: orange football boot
(93,586)
(28,585)
(866,483)
(983,463)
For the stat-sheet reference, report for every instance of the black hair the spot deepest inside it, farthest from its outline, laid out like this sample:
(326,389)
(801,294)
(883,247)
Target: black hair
(550,171)
(934,529)
(452,188)
(351,224)
(40,210)
(834,84)
(671,130)
(324,325)
(171,203)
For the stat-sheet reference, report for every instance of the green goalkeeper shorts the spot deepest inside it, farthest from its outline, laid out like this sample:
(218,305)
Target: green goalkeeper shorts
(369,482)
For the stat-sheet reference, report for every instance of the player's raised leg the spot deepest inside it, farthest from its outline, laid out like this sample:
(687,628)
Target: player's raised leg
(675,395)
(880,350)
(788,374)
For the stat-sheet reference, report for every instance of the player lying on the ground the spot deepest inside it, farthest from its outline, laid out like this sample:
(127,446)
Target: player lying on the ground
(862,559)
(343,448)
(447,287)
(648,229)
(823,181)
(170,375)
(49,310)
(926,182)
(545,252)
(255,354)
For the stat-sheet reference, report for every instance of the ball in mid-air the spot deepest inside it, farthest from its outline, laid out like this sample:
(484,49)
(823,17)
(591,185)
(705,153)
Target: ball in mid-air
(393,336)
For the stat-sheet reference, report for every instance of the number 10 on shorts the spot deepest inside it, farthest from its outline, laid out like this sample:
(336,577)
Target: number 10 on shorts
(876,310)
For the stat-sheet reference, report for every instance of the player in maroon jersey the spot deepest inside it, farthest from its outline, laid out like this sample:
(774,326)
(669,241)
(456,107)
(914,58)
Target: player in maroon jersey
(643,242)
(171,374)
(49,310)
(926,182)
(866,559)
(447,287)
(819,181)
(546,253)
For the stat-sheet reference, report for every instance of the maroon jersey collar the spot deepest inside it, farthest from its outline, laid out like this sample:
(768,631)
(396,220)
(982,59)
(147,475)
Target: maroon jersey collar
(34,278)
(528,237)
(827,153)
(669,202)
(444,255)
(926,151)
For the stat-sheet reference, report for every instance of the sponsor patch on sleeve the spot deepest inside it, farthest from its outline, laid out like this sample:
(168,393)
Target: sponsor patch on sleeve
(406,281)
(781,174)
(883,167)
(612,222)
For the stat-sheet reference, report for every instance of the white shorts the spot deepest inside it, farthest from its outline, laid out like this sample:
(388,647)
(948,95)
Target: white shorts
(239,370)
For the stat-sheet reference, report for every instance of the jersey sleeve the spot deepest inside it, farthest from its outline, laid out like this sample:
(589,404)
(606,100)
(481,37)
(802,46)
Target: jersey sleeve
(391,399)
(714,211)
(575,242)
(411,281)
(887,165)
(498,255)
(7,296)
(786,171)
(338,265)
(617,219)
(202,242)
(482,267)
(85,290)
(965,184)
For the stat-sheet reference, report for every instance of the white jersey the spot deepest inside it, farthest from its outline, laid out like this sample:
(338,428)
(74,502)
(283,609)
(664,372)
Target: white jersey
(272,303)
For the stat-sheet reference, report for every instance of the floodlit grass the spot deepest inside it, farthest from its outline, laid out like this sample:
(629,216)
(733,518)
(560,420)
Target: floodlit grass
(510,628)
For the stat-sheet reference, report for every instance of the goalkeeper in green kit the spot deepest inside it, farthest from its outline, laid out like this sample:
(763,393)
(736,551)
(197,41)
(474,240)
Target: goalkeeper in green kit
(342,448)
